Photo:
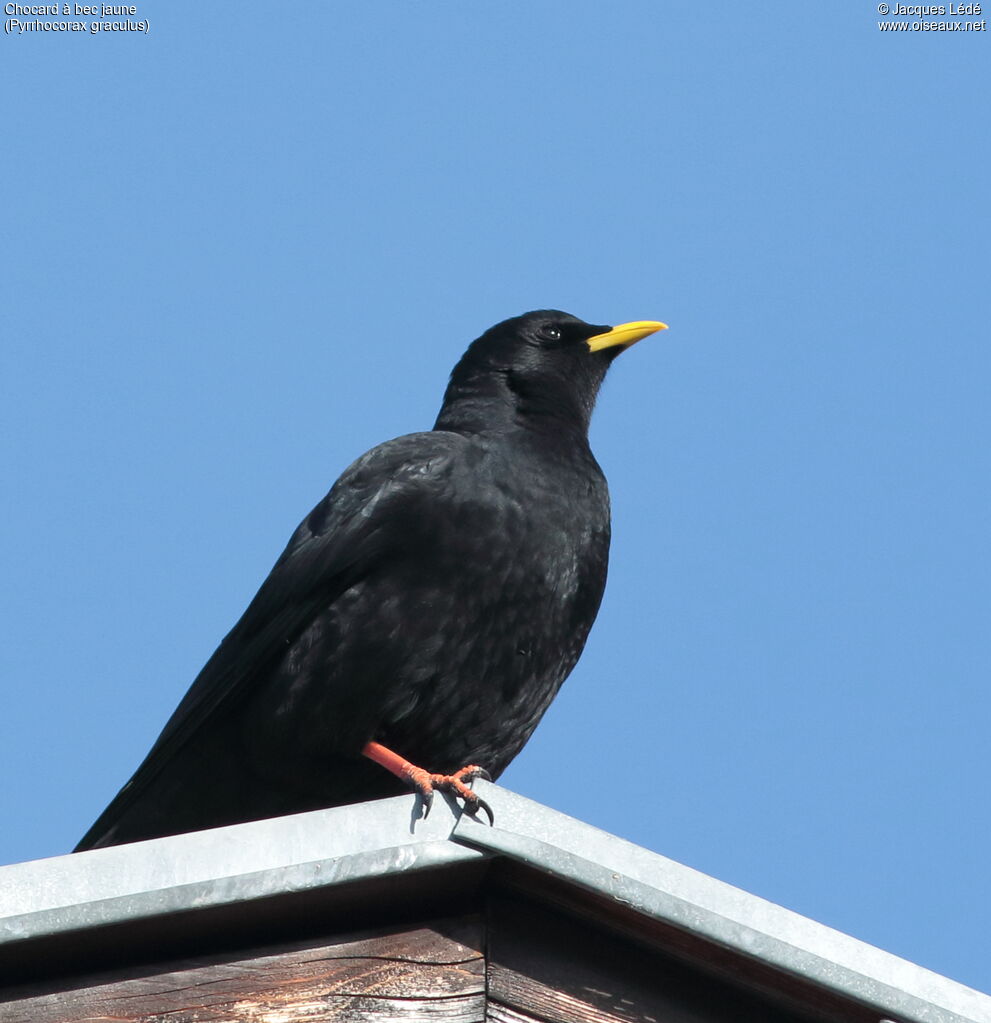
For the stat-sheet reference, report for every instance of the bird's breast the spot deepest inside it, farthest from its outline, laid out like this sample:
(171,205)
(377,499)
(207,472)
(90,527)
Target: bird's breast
(502,590)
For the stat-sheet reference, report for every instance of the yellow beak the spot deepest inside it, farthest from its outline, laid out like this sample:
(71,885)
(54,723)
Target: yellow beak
(625,334)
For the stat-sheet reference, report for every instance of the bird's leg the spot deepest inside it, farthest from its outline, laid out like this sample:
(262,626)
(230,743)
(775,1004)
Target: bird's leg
(426,783)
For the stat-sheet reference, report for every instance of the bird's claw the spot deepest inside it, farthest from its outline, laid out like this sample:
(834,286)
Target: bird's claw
(480,804)
(456,784)
(427,795)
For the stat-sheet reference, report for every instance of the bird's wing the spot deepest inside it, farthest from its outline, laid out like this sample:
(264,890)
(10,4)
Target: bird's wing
(359,523)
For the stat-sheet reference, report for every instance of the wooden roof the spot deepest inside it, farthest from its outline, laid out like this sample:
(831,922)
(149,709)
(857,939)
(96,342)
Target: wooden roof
(540,917)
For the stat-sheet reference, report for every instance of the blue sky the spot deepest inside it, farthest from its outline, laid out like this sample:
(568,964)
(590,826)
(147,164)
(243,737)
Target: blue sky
(245,247)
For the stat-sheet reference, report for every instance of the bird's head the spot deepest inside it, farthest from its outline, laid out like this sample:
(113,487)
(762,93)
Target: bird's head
(542,365)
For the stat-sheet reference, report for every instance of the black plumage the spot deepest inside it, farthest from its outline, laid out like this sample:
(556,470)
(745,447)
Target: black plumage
(433,602)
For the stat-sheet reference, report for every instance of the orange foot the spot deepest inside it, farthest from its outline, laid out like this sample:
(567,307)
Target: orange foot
(426,783)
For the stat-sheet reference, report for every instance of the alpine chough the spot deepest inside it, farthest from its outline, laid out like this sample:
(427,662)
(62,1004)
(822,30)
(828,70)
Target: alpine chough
(422,616)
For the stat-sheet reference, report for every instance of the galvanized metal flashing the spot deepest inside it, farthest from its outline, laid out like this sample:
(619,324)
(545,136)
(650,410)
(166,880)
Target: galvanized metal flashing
(223,866)
(329,850)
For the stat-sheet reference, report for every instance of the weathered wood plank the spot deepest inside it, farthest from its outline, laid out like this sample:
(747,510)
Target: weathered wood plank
(420,974)
(497,1013)
(512,990)
(558,969)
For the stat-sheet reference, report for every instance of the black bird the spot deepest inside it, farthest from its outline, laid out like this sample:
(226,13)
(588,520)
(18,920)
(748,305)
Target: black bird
(425,613)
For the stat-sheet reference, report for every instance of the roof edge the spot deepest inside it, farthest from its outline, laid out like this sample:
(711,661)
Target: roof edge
(331,849)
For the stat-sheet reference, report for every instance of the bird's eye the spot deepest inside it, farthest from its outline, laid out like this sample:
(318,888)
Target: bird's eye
(550,333)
